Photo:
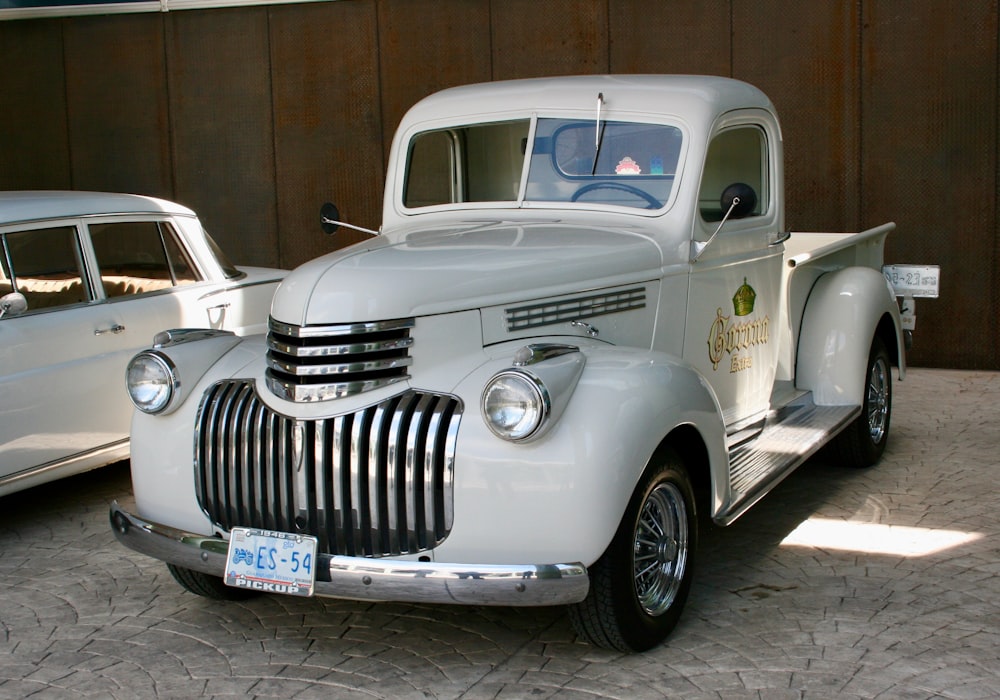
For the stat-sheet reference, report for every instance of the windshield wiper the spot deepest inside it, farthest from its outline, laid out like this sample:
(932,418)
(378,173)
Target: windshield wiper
(598,133)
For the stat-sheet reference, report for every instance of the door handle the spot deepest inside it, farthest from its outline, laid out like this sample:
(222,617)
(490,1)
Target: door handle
(116,329)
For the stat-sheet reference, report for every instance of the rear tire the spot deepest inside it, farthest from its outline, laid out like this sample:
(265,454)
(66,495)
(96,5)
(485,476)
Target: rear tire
(639,585)
(862,443)
(207,586)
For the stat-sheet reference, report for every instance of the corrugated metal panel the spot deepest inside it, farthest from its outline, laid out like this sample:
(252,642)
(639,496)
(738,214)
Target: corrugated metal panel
(33,105)
(652,36)
(327,121)
(553,37)
(222,136)
(805,57)
(929,163)
(116,86)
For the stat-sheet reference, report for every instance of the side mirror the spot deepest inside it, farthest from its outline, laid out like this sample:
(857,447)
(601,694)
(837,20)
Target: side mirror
(329,218)
(13,304)
(746,196)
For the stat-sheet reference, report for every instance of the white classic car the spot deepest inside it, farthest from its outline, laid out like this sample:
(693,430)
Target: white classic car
(86,280)
(582,323)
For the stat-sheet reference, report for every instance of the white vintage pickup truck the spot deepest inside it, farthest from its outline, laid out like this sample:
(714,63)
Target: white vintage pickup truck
(582,329)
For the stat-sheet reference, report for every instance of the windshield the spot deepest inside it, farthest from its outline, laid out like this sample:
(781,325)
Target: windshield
(622,164)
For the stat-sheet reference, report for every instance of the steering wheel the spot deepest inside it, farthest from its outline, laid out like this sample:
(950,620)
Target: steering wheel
(631,189)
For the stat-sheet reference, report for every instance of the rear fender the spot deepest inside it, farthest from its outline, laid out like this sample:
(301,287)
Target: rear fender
(845,310)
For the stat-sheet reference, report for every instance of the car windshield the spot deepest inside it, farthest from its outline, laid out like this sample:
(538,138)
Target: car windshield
(589,162)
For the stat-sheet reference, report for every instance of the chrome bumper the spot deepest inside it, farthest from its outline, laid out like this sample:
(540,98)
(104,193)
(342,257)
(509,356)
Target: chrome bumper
(361,578)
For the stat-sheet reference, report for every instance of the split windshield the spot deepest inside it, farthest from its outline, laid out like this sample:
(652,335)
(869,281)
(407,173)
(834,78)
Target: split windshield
(590,162)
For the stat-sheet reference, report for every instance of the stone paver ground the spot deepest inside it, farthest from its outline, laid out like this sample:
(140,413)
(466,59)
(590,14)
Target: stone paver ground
(882,583)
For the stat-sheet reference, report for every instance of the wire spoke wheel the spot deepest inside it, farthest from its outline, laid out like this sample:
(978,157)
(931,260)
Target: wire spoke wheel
(862,442)
(639,585)
(878,400)
(660,549)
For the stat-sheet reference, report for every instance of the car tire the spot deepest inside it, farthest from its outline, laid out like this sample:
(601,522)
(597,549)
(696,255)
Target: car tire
(206,585)
(639,585)
(862,443)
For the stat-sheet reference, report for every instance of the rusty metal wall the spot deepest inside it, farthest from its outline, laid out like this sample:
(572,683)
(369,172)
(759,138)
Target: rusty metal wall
(221,127)
(929,133)
(117,104)
(256,115)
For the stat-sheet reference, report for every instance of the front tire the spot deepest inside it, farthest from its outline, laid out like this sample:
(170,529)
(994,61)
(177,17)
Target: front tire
(862,443)
(206,585)
(639,585)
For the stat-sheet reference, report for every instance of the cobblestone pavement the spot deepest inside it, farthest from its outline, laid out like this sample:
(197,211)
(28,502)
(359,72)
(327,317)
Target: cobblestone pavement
(904,604)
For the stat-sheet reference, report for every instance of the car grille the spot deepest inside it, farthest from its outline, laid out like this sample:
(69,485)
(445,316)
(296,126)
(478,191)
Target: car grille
(319,363)
(373,483)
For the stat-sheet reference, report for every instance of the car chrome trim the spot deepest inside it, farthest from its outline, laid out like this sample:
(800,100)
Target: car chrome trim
(548,313)
(376,482)
(323,362)
(361,578)
(112,452)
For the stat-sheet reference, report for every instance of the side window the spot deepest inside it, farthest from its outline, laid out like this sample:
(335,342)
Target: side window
(736,155)
(45,266)
(135,257)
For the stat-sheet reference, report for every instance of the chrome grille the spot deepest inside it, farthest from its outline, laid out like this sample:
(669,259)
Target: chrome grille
(547,313)
(373,483)
(319,363)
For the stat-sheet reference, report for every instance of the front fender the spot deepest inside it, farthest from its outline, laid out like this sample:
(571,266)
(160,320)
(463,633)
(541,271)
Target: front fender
(844,311)
(562,497)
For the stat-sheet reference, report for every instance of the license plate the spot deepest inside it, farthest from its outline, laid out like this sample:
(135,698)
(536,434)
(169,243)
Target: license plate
(271,562)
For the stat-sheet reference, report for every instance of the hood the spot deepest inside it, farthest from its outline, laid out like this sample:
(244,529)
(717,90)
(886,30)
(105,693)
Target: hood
(441,271)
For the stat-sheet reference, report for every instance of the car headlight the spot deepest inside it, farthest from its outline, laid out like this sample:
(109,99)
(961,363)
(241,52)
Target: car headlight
(151,380)
(515,405)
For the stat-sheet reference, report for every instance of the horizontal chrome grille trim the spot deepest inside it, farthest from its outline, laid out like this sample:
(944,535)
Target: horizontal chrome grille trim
(545,314)
(336,350)
(325,392)
(313,370)
(324,362)
(374,483)
(340,329)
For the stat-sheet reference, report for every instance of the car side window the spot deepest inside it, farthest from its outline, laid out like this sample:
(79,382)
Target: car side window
(136,257)
(45,266)
(737,155)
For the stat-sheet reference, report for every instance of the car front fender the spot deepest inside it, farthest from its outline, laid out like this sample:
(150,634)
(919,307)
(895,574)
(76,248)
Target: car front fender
(564,494)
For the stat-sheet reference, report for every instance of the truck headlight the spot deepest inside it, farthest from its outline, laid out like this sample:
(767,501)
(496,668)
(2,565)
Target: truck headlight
(151,380)
(515,405)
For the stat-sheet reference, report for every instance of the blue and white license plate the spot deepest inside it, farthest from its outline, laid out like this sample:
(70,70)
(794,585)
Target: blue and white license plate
(271,562)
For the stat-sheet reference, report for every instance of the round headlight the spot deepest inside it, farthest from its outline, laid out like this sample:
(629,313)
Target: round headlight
(514,405)
(151,381)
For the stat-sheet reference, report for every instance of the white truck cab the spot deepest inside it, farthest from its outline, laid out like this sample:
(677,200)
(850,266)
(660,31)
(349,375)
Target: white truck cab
(582,324)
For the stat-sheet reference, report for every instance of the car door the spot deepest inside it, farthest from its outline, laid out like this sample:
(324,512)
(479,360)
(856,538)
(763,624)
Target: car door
(61,392)
(735,282)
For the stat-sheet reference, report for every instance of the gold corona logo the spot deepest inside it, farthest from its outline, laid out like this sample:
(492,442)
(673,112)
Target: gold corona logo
(726,337)
(743,299)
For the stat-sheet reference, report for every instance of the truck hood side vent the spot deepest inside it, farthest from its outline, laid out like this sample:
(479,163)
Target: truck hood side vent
(548,313)
(324,362)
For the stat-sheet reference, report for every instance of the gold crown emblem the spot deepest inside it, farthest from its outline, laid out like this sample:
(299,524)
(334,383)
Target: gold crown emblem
(744,299)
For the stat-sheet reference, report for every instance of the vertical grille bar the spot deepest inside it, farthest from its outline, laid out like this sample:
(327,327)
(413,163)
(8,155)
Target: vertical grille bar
(373,483)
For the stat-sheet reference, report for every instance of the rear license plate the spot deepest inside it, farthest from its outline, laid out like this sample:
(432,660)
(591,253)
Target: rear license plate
(271,562)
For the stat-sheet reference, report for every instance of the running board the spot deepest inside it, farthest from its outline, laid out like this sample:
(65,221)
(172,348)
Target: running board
(789,437)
